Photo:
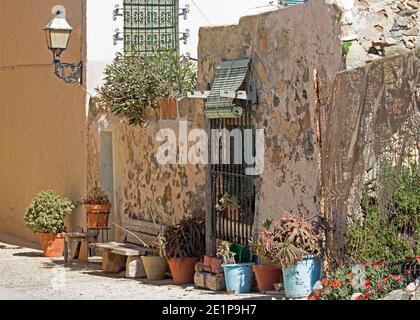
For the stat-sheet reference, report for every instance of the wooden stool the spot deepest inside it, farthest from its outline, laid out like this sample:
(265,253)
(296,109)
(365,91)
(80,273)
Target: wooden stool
(70,239)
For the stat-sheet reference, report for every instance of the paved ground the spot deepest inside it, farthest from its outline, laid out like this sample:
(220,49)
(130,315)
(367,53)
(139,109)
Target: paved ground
(26,274)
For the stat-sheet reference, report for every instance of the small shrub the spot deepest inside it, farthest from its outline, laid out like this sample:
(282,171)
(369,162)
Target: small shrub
(46,213)
(96,196)
(390,227)
(135,82)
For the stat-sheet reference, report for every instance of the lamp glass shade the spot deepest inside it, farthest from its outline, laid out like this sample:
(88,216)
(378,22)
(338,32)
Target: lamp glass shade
(57,39)
(58,33)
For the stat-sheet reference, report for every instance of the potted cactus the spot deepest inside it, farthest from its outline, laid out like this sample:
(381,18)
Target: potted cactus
(265,248)
(295,245)
(183,245)
(45,216)
(236,267)
(98,208)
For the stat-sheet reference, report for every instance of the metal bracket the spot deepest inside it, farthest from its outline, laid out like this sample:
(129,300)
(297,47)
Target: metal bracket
(241,95)
(185,36)
(70,73)
(198,95)
(185,11)
(118,12)
(116,37)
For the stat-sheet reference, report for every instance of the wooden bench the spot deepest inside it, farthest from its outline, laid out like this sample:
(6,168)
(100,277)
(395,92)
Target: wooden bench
(117,256)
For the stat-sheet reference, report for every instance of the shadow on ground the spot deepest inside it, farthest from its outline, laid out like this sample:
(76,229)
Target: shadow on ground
(30,254)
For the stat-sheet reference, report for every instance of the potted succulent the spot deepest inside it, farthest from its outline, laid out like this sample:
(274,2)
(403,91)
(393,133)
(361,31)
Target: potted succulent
(296,245)
(238,274)
(228,203)
(269,272)
(183,245)
(45,216)
(98,208)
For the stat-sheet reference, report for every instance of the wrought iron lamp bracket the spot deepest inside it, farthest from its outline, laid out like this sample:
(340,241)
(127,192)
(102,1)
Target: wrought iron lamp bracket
(68,72)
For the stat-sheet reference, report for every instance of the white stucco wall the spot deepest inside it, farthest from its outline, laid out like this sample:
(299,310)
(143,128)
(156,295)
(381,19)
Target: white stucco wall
(216,13)
(100,28)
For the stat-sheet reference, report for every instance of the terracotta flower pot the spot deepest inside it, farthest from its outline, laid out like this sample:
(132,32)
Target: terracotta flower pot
(212,264)
(183,269)
(97,215)
(52,244)
(267,275)
(155,267)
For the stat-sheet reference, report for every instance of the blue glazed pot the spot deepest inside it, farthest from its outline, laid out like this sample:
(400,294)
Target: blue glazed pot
(238,277)
(301,277)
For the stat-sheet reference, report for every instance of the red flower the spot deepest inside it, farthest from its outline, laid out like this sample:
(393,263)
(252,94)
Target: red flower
(312,297)
(367,282)
(379,287)
(350,275)
(367,295)
(368,286)
(325,282)
(397,278)
(384,280)
(359,298)
(335,283)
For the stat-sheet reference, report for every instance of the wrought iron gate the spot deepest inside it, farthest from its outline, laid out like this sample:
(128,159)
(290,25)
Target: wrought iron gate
(233,225)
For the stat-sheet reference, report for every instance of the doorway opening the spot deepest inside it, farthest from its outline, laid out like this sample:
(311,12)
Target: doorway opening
(107,174)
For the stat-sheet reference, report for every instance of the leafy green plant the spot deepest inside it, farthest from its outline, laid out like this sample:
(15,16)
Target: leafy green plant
(390,226)
(185,239)
(376,280)
(136,82)
(46,213)
(227,201)
(288,241)
(96,196)
(345,47)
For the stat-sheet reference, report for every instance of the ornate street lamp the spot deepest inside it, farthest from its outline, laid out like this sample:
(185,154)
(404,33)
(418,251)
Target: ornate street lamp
(58,32)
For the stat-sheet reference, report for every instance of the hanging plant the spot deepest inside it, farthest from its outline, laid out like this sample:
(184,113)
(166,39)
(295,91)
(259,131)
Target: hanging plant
(135,82)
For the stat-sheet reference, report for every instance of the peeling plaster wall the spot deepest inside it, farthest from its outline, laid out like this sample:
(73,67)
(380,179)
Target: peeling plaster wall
(379,27)
(383,106)
(141,184)
(285,46)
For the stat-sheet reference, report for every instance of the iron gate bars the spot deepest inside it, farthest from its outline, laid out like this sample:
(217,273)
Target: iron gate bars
(233,225)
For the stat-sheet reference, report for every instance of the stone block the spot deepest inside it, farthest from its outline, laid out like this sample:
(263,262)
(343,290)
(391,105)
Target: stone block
(214,282)
(397,295)
(134,268)
(113,263)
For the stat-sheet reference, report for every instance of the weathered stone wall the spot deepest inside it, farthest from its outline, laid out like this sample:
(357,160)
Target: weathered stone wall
(142,185)
(360,128)
(285,47)
(379,28)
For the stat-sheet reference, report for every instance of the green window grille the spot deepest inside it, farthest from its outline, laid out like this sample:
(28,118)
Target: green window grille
(151,25)
(230,76)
